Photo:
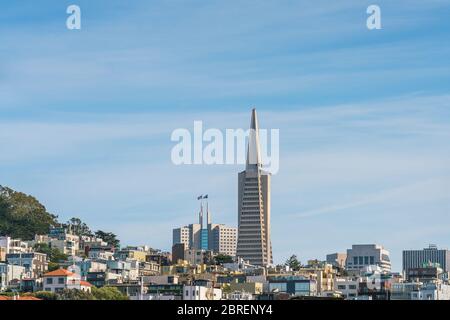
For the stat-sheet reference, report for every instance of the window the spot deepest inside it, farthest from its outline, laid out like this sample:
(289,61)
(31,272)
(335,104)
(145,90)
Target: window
(355,260)
(372,260)
(366,260)
(352,286)
(302,287)
(341,287)
(49,280)
(60,280)
(361,260)
(281,287)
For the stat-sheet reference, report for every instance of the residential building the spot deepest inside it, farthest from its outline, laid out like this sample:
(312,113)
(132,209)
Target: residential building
(201,293)
(103,278)
(132,253)
(253,288)
(64,240)
(128,270)
(35,263)
(418,258)
(88,265)
(293,285)
(14,245)
(254,243)
(165,292)
(10,272)
(347,287)
(61,279)
(197,256)
(361,256)
(432,291)
(161,279)
(149,268)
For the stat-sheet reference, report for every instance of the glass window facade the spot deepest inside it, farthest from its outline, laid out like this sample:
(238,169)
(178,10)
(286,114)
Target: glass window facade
(281,286)
(204,239)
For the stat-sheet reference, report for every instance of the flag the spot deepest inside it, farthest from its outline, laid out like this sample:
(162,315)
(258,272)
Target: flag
(200,197)
(205,197)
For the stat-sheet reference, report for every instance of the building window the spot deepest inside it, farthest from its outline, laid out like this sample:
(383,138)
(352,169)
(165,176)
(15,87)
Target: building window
(355,260)
(60,280)
(341,287)
(49,280)
(281,287)
(361,260)
(302,287)
(366,260)
(372,260)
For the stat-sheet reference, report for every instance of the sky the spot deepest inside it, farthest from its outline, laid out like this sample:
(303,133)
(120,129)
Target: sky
(86,115)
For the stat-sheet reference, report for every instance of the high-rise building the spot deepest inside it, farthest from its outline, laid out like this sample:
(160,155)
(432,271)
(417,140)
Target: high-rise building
(419,258)
(361,256)
(218,238)
(224,239)
(254,243)
(181,235)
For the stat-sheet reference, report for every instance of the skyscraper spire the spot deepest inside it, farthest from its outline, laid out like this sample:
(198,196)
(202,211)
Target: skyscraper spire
(253,150)
(254,243)
(208,214)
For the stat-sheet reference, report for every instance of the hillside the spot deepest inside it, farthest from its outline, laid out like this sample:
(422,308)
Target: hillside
(22,216)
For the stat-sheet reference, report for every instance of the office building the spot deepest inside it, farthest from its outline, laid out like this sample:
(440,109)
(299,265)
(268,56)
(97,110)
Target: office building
(360,256)
(207,236)
(419,258)
(254,243)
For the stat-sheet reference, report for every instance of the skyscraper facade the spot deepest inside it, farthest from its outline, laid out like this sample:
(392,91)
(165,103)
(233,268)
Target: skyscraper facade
(218,238)
(254,243)
(419,258)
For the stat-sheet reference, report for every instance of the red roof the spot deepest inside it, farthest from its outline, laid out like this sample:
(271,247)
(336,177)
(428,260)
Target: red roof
(59,273)
(85,283)
(19,298)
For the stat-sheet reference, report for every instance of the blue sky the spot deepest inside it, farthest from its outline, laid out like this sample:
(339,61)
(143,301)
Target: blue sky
(86,116)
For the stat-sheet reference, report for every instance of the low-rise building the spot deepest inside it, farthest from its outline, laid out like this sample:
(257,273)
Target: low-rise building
(8,273)
(201,293)
(35,263)
(61,279)
(292,285)
(253,288)
(347,287)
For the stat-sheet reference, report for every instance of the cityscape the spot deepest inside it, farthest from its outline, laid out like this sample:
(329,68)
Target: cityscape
(208,261)
(212,158)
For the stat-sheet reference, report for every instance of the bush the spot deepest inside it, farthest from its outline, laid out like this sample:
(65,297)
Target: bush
(46,295)
(108,293)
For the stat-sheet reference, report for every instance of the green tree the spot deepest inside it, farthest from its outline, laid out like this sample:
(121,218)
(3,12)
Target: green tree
(75,294)
(54,255)
(108,293)
(293,263)
(78,227)
(22,216)
(108,237)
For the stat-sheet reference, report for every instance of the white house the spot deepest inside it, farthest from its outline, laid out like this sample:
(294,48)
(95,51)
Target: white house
(58,280)
(201,293)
